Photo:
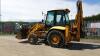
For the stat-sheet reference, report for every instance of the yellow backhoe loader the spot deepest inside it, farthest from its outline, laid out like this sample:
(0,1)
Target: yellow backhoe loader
(56,30)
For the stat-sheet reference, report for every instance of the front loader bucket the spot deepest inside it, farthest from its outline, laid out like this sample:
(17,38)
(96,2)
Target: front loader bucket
(19,36)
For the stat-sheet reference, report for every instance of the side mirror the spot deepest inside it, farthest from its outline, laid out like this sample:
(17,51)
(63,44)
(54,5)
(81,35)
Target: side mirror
(43,21)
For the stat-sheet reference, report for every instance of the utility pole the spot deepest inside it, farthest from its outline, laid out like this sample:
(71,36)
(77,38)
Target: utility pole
(0,19)
(0,23)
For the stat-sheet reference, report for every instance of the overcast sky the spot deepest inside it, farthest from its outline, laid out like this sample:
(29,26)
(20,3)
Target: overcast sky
(31,10)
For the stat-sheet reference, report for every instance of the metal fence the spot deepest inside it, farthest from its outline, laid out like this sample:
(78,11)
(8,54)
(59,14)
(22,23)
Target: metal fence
(7,28)
(92,28)
(92,32)
(10,27)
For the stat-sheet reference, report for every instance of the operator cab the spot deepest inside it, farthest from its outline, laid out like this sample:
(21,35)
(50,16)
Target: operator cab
(57,17)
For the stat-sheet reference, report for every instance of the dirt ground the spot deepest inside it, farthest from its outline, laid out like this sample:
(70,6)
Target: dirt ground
(9,46)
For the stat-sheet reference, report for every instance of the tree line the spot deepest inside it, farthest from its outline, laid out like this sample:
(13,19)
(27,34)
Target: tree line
(93,17)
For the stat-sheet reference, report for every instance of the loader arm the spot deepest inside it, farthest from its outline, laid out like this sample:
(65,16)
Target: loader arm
(36,27)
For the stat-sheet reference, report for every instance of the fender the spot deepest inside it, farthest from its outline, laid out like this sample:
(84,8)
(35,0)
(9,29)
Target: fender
(57,28)
(66,32)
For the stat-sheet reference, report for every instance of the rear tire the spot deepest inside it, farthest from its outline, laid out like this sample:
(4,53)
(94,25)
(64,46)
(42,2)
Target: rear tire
(55,39)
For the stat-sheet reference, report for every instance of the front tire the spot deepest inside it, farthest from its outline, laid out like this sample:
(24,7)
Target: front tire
(55,38)
(32,40)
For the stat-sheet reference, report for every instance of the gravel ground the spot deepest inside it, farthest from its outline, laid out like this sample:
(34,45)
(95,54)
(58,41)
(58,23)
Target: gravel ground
(9,46)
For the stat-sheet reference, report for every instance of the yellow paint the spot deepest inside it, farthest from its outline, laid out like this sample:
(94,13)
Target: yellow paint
(58,28)
(67,34)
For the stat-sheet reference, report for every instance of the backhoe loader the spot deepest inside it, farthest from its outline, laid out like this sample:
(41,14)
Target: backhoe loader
(56,29)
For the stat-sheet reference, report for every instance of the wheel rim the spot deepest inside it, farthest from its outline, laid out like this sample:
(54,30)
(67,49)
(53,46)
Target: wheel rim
(55,39)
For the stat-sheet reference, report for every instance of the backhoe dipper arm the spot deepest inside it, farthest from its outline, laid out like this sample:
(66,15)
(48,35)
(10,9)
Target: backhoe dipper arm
(78,24)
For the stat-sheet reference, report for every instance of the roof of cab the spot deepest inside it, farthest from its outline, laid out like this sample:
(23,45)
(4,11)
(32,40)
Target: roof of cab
(60,10)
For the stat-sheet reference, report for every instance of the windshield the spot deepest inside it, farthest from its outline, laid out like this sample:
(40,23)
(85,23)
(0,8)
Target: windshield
(50,18)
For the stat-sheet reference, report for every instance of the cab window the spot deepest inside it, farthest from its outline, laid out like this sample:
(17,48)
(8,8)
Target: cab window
(50,18)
